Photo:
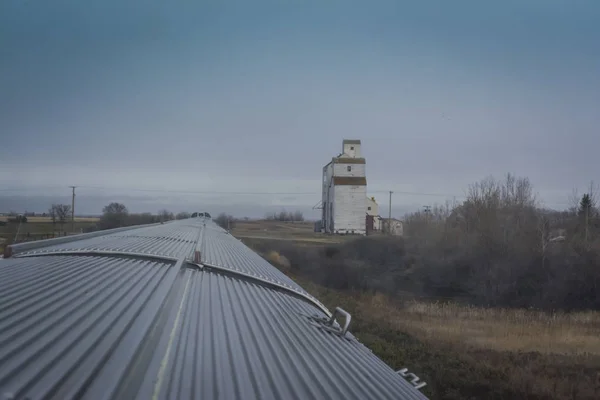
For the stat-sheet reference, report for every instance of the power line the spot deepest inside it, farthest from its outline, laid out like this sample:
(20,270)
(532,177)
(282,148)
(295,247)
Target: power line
(214,192)
(261,193)
(162,191)
(418,193)
(229,192)
(195,191)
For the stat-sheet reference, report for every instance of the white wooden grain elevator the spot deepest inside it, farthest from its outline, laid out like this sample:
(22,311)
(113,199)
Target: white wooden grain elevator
(345,192)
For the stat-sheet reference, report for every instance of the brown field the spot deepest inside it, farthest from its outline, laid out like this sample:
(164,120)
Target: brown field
(466,352)
(302,232)
(469,352)
(39,228)
(499,329)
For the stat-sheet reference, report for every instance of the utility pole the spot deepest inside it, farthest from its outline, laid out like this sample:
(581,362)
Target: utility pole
(587,210)
(389,224)
(427,210)
(73,209)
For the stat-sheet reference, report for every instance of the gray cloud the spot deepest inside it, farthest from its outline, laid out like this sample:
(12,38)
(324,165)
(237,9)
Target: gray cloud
(220,98)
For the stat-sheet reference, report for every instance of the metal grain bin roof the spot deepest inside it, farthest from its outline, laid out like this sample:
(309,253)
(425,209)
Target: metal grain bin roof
(130,315)
(172,240)
(176,239)
(233,339)
(67,321)
(221,249)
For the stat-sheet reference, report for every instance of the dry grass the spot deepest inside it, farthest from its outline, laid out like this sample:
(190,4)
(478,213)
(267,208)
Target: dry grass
(496,329)
(473,353)
(275,230)
(298,240)
(275,258)
(536,354)
(466,352)
(38,228)
(280,225)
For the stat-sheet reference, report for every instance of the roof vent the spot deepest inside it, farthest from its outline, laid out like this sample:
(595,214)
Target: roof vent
(412,378)
(328,324)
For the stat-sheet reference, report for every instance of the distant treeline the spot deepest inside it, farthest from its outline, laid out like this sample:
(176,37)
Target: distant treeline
(285,216)
(227,221)
(116,215)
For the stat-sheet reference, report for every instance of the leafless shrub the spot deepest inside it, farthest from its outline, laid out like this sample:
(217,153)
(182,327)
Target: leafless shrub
(497,248)
(165,215)
(183,215)
(225,221)
(60,213)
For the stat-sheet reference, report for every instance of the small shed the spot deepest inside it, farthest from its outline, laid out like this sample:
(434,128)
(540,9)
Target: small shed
(393,227)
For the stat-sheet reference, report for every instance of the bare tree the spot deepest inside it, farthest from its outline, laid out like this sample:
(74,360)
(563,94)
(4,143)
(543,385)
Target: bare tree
(60,213)
(225,221)
(544,233)
(574,200)
(52,215)
(298,216)
(182,215)
(593,193)
(141,219)
(285,216)
(115,208)
(270,216)
(165,215)
(114,215)
(497,248)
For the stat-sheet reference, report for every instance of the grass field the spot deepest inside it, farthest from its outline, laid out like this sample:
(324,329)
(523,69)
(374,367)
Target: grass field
(500,329)
(38,228)
(469,353)
(466,352)
(275,230)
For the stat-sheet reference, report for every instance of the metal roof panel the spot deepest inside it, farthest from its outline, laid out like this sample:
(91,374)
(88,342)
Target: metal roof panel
(222,249)
(62,317)
(123,325)
(233,339)
(173,240)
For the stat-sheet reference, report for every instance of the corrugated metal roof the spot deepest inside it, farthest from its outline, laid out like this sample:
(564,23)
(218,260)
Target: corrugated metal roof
(65,319)
(127,326)
(221,249)
(179,239)
(174,240)
(235,339)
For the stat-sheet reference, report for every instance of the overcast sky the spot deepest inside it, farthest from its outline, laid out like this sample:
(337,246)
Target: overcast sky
(257,97)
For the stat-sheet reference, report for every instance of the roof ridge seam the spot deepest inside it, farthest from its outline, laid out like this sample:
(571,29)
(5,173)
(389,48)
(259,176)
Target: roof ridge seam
(16,248)
(99,253)
(265,282)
